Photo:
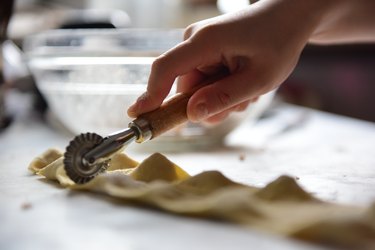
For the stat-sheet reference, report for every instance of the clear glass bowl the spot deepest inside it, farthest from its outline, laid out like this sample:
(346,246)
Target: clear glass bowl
(89,78)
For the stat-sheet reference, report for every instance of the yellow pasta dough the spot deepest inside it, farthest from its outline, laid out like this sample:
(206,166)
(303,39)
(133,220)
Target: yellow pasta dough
(281,207)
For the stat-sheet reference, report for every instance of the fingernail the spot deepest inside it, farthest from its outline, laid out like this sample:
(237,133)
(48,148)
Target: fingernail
(201,111)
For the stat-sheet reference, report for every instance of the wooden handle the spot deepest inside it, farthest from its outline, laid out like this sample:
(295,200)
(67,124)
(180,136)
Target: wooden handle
(169,115)
(173,111)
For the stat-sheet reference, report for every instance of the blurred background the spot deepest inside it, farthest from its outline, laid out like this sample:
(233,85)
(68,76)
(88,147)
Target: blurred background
(337,79)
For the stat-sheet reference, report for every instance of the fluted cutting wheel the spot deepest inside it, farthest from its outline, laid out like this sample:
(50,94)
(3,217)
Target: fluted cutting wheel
(73,158)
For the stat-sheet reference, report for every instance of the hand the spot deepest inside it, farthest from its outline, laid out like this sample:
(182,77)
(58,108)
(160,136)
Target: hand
(259,46)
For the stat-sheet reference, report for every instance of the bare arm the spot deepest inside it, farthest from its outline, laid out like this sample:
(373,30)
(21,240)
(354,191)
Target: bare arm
(347,21)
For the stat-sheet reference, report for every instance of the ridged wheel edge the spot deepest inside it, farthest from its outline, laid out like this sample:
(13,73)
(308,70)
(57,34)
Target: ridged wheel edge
(77,147)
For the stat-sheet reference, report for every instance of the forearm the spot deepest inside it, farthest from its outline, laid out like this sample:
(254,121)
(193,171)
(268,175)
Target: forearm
(345,21)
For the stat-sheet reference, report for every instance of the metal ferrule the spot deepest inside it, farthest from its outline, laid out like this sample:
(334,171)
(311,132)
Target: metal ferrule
(142,129)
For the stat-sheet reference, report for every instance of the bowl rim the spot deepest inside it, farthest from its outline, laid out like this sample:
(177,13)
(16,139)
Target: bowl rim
(36,44)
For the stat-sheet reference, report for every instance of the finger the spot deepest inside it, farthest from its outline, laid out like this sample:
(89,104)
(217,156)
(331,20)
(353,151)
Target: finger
(224,114)
(218,117)
(255,99)
(198,76)
(188,81)
(180,60)
(222,95)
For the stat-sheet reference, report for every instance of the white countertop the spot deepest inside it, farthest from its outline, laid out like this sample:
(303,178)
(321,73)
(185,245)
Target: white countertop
(332,156)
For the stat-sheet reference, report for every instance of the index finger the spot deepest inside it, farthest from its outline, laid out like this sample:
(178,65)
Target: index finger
(180,60)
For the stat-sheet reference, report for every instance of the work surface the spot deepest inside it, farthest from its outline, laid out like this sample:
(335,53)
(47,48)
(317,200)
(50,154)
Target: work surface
(330,156)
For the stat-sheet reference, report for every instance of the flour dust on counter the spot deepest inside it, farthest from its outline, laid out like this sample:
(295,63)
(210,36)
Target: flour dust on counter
(281,207)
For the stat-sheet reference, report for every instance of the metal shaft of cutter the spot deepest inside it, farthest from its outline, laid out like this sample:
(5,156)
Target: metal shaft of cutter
(138,131)
(110,145)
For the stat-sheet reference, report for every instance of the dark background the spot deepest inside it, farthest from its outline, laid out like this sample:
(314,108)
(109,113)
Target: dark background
(338,79)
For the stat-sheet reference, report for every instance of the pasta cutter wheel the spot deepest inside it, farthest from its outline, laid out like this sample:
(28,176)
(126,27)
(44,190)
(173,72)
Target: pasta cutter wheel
(89,154)
(75,166)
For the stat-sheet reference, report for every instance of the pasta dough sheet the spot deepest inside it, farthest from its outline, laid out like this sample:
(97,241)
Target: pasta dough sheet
(281,207)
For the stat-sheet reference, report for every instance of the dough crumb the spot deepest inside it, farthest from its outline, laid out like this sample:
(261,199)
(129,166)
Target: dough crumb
(242,157)
(26,206)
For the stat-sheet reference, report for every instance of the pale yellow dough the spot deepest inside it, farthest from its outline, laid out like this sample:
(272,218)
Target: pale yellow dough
(281,207)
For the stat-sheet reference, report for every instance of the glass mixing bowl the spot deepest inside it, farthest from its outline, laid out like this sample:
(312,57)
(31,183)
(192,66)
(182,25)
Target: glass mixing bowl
(90,77)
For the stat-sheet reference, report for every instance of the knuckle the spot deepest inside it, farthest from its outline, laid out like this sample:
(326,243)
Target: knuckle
(201,28)
(207,32)
(158,63)
(188,32)
(202,32)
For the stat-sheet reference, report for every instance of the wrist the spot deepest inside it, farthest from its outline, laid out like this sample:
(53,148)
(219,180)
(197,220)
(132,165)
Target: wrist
(302,20)
(312,17)
(327,12)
